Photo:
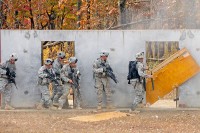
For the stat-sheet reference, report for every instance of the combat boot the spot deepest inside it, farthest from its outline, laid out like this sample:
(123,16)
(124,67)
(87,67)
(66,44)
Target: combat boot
(39,106)
(109,106)
(55,104)
(78,107)
(8,107)
(133,107)
(141,105)
(60,107)
(53,108)
(99,108)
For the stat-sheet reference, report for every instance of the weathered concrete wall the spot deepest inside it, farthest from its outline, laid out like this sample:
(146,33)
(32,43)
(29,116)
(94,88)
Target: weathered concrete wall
(122,45)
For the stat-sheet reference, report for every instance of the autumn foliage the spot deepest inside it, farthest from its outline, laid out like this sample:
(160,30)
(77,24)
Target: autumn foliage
(99,14)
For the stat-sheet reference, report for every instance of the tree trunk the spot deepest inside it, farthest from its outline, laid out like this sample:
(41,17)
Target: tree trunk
(79,16)
(17,21)
(122,8)
(31,17)
(88,14)
(1,15)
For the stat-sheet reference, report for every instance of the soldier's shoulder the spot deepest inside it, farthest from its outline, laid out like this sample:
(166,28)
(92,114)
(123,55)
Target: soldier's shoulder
(42,67)
(55,61)
(97,60)
(139,64)
(65,66)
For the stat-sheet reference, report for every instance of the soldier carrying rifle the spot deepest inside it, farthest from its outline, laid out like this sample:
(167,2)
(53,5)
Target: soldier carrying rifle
(102,73)
(7,79)
(46,75)
(70,76)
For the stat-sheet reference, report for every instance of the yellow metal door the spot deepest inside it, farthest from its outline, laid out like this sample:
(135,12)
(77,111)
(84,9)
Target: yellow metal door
(171,73)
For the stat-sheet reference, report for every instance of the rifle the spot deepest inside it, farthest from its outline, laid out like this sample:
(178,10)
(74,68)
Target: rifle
(11,76)
(52,77)
(75,78)
(109,73)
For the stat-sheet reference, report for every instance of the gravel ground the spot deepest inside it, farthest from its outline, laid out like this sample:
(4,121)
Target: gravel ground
(145,121)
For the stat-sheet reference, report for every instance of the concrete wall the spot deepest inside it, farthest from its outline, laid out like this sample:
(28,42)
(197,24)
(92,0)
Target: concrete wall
(122,45)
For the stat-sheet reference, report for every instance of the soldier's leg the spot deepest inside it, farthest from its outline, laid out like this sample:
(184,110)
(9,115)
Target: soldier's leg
(108,93)
(42,100)
(99,86)
(58,91)
(54,92)
(139,93)
(2,88)
(46,100)
(7,93)
(65,92)
(77,99)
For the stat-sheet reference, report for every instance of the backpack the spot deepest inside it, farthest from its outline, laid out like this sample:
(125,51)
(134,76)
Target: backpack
(133,72)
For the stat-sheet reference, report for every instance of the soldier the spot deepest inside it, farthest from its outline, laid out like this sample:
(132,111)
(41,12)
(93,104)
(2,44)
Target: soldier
(57,66)
(102,80)
(70,76)
(136,79)
(6,69)
(44,80)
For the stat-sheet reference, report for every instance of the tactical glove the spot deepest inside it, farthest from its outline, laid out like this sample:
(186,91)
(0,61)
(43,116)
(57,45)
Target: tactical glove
(100,70)
(45,75)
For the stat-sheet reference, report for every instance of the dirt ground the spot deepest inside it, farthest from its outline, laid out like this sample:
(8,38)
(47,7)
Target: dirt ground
(145,121)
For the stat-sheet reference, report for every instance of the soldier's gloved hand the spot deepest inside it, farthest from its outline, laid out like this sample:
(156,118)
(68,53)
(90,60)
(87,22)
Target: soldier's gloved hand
(78,72)
(3,72)
(149,76)
(100,70)
(129,82)
(45,75)
(70,81)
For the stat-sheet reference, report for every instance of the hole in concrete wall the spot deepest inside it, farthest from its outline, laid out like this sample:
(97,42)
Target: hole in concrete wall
(26,92)
(51,48)
(156,53)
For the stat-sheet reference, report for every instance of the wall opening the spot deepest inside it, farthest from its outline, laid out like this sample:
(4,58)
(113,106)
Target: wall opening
(157,52)
(50,50)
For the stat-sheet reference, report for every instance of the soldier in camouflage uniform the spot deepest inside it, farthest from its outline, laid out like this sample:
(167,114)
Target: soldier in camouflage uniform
(102,80)
(67,73)
(5,86)
(57,66)
(138,83)
(43,83)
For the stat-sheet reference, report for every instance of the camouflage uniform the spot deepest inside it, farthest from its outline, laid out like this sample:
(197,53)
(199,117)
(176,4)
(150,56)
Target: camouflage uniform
(138,84)
(57,90)
(5,87)
(101,82)
(44,86)
(66,75)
